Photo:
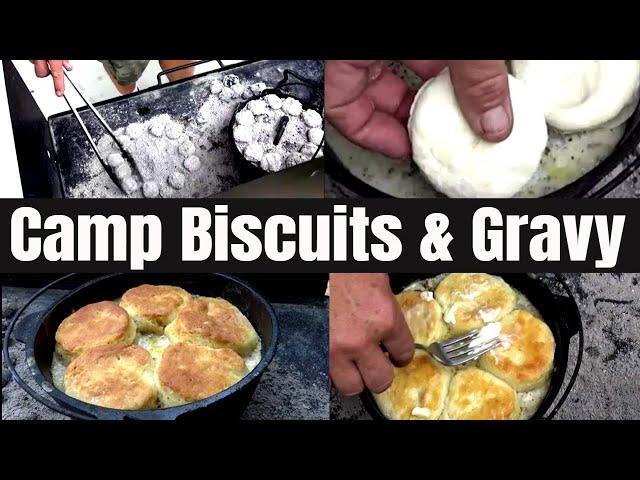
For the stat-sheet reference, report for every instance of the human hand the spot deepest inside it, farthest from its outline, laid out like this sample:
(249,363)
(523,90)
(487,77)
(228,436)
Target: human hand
(44,68)
(363,316)
(370,105)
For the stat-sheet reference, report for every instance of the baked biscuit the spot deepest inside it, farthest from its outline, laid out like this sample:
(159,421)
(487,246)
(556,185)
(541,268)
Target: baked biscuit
(188,372)
(113,376)
(525,358)
(423,315)
(101,323)
(470,300)
(418,391)
(216,323)
(477,395)
(153,307)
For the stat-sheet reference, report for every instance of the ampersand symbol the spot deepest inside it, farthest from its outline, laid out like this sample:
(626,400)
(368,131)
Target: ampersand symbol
(434,245)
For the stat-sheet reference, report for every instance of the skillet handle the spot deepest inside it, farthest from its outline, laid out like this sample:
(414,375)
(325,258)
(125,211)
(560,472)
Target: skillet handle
(6,358)
(571,316)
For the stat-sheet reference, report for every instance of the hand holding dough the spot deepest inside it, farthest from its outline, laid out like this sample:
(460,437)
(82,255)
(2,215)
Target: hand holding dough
(458,162)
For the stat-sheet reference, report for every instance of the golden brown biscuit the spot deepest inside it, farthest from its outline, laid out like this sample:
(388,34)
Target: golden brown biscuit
(213,322)
(113,376)
(477,395)
(525,358)
(102,323)
(153,307)
(470,300)
(188,372)
(423,315)
(418,391)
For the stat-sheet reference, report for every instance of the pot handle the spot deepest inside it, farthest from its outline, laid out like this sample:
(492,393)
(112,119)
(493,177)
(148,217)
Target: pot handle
(571,314)
(183,67)
(6,358)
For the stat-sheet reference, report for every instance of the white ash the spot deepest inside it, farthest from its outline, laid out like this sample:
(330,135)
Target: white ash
(257,107)
(216,87)
(187,148)
(315,135)
(115,159)
(257,123)
(192,163)
(312,118)
(253,152)
(134,130)
(227,94)
(238,89)
(291,106)
(245,117)
(176,180)
(274,101)
(230,80)
(157,128)
(150,189)
(173,130)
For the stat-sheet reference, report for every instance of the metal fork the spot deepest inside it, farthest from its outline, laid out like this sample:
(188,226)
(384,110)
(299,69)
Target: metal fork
(463,349)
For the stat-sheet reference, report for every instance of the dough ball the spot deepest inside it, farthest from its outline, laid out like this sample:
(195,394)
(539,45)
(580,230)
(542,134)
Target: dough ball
(582,94)
(308,150)
(238,90)
(291,106)
(156,129)
(216,87)
(192,163)
(173,130)
(273,100)
(176,180)
(253,152)
(272,162)
(150,189)
(227,94)
(312,118)
(115,159)
(458,162)
(123,171)
(186,148)
(257,107)
(125,141)
(106,145)
(130,185)
(242,133)
(247,94)
(245,117)
(134,130)
(258,87)
(230,80)
(315,135)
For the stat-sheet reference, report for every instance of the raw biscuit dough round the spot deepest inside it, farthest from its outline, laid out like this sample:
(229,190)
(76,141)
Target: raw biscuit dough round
(156,129)
(582,94)
(315,135)
(274,101)
(312,118)
(458,162)
(176,180)
(130,185)
(115,159)
(192,163)
(291,106)
(186,148)
(123,171)
(150,189)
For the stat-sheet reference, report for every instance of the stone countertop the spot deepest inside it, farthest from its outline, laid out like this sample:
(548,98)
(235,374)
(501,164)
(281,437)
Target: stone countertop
(608,385)
(294,386)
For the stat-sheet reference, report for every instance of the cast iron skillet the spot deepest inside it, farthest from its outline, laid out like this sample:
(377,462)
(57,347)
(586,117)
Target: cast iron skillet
(37,333)
(558,311)
(281,90)
(590,185)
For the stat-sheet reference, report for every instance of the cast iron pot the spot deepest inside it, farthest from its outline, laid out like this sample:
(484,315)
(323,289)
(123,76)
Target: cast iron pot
(590,185)
(37,333)
(560,313)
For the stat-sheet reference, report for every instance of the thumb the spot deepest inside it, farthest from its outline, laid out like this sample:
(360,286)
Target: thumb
(482,90)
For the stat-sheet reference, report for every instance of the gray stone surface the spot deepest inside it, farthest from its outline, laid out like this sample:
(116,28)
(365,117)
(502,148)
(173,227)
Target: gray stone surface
(608,385)
(294,386)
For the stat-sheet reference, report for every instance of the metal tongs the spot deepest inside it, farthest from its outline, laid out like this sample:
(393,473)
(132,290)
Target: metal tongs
(125,154)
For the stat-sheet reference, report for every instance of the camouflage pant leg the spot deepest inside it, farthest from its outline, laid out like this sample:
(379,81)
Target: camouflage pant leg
(125,72)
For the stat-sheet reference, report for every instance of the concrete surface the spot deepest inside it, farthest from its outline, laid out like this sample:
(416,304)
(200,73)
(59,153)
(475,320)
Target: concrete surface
(608,385)
(294,386)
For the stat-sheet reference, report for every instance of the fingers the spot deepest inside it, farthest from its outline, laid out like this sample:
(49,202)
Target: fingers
(41,68)
(399,341)
(67,65)
(375,369)
(56,66)
(482,90)
(345,377)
